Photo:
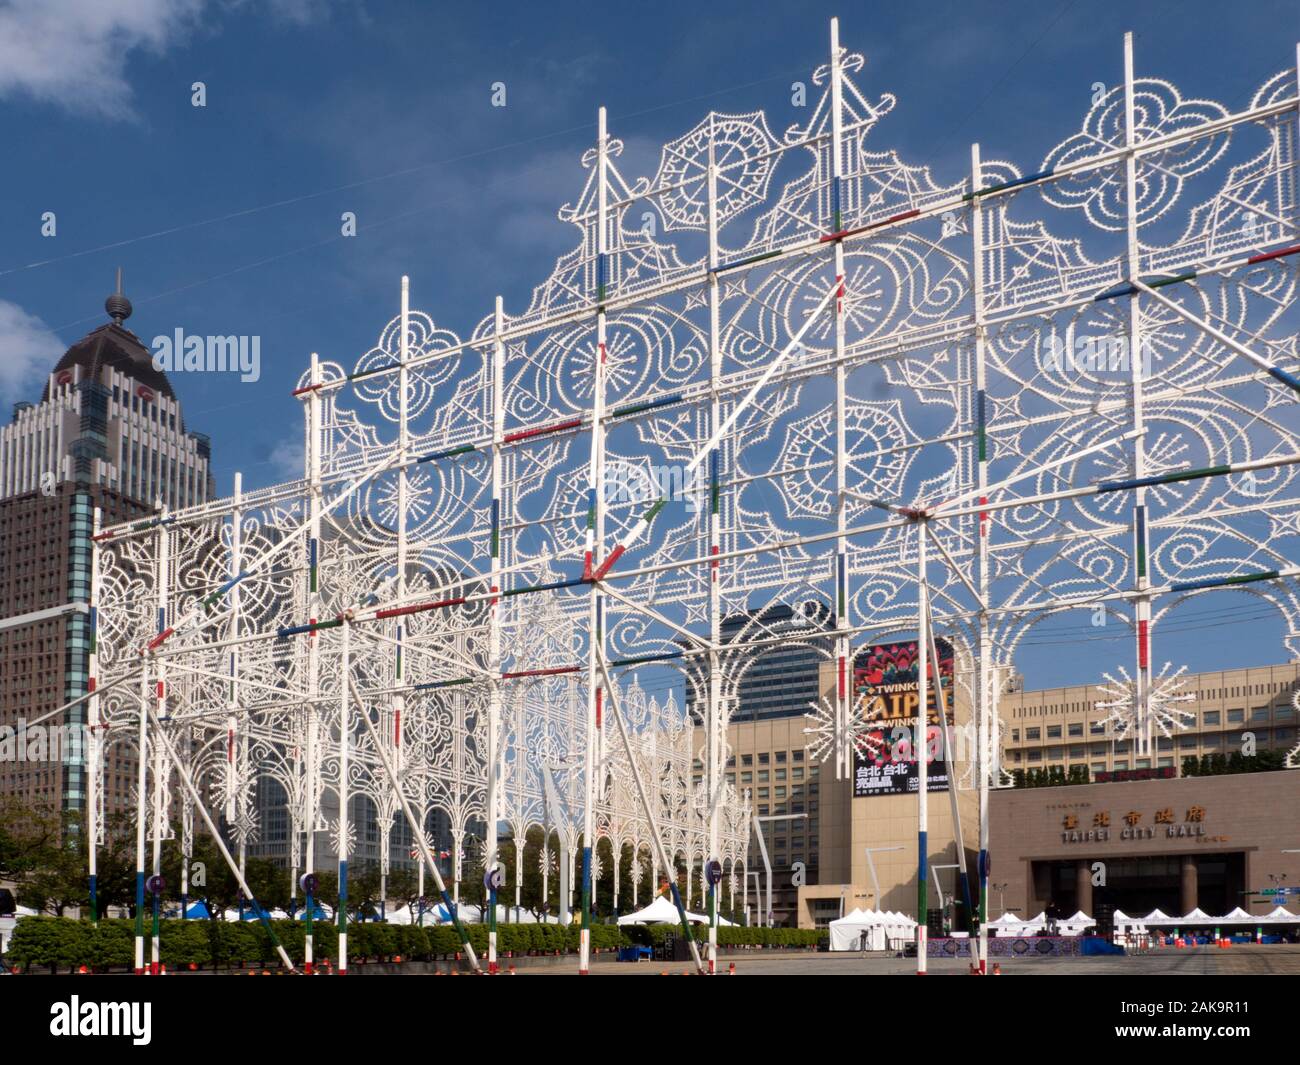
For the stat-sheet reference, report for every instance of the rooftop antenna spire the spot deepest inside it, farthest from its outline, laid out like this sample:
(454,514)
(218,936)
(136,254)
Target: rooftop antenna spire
(117,305)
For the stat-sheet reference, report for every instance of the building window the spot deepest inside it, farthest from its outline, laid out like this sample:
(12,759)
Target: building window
(1211,717)
(1076,729)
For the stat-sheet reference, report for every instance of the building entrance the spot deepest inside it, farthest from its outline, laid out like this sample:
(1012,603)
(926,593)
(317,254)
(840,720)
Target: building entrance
(1138,885)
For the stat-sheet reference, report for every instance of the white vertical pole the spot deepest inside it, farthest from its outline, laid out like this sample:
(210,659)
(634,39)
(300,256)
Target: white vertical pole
(596,542)
(345,669)
(142,746)
(311,778)
(403,443)
(713,717)
(844,670)
(1142,605)
(983,671)
(920,750)
(160,773)
(236,753)
(494,635)
(93,746)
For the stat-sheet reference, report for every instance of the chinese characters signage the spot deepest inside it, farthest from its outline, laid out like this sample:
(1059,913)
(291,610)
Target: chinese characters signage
(1167,822)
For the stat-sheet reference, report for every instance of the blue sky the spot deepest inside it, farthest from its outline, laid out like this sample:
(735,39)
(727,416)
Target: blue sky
(383,109)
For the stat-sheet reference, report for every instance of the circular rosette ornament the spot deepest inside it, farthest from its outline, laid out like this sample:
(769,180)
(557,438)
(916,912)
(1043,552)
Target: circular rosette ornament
(876,438)
(1158,111)
(383,389)
(639,348)
(742,151)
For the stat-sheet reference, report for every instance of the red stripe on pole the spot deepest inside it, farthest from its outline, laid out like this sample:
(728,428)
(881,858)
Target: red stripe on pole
(1143,645)
(552,672)
(102,536)
(397,728)
(90,684)
(842,675)
(524,434)
(1273,255)
(600,692)
(984,517)
(402,611)
(230,745)
(305,388)
(158,640)
(161,690)
(613,557)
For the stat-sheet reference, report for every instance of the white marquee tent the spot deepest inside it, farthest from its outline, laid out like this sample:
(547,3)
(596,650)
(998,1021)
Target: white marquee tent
(661,911)
(878,927)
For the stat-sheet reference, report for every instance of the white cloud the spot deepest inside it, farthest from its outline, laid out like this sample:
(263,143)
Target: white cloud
(288,459)
(28,351)
(75,53)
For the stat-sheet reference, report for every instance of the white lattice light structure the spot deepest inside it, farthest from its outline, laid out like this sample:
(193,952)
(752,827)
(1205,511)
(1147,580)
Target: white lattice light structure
(845,382)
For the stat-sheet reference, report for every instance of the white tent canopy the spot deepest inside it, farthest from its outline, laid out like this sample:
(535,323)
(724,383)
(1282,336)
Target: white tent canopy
(858,930)
(661,911)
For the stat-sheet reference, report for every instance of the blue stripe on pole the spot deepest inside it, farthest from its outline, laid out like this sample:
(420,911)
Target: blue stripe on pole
(922,853)
(965,893)
(984,865)
(1027,179)
(162,619)
(586,868)
(1111,293)
(94,619)
(231,583)
(139,888)
(1286,378)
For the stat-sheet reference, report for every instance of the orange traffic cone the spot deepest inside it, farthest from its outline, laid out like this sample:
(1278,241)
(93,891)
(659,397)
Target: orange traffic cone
(997,969)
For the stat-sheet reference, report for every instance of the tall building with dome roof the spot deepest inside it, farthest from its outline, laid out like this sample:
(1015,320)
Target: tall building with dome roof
(108,433)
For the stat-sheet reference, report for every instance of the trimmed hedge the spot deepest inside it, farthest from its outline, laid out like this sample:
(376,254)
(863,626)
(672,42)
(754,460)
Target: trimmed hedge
(736,936)
(68,944)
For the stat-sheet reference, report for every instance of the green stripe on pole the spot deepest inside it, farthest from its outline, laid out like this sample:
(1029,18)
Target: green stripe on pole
(1186,275)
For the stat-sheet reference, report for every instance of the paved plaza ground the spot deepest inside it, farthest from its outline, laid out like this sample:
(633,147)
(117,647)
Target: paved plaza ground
(1272,960)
